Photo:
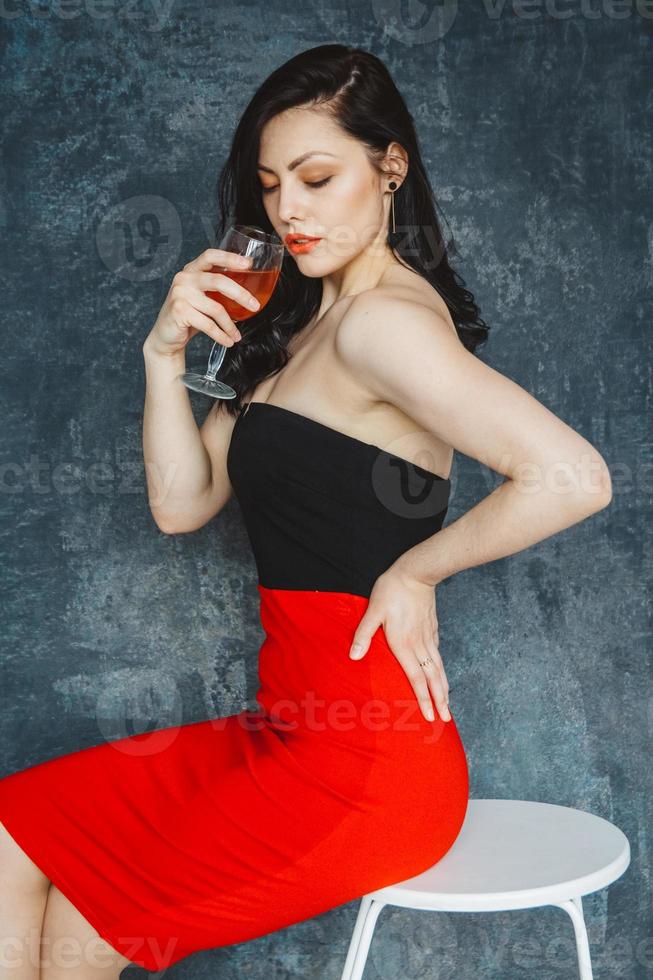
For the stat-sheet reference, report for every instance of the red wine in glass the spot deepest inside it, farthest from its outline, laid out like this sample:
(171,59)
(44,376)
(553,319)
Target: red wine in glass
(260,279)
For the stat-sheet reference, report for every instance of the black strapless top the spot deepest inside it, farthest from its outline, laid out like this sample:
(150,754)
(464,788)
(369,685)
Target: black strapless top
(323,510)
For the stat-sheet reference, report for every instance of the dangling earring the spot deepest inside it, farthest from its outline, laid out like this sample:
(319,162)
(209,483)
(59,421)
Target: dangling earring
(392,185)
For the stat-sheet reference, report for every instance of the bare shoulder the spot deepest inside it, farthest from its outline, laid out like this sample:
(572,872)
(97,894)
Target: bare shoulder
(398,330)
(397,312)
(400,346)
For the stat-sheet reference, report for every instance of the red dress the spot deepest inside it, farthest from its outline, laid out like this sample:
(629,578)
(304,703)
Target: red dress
(216,832)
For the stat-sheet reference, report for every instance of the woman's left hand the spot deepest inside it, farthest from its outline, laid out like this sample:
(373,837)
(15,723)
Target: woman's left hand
(405,608)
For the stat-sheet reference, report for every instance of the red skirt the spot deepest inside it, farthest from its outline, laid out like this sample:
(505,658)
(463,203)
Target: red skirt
(216,832)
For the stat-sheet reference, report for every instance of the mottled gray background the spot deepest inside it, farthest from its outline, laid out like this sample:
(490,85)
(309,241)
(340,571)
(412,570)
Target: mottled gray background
(536,129)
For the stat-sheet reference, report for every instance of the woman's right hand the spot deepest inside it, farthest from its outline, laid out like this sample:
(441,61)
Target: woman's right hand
(187,309)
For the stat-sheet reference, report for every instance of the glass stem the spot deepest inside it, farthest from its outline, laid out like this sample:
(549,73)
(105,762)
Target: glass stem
(216,357)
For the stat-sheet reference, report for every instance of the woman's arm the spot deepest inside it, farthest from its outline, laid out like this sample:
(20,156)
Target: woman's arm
(408,355)
(185,467)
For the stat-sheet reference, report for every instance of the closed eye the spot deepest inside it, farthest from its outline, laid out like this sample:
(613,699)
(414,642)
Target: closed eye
(319,183)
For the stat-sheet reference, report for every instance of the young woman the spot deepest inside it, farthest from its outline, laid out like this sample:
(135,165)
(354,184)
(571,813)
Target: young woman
(355,385)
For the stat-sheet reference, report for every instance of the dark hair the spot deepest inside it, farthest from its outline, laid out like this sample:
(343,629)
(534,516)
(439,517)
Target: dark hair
(357,89)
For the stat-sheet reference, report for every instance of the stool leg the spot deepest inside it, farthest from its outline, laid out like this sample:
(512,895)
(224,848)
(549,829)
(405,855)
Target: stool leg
(574,908)
(361,939)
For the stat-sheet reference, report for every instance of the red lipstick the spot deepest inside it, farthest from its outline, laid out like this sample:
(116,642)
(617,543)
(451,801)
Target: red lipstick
(299,244)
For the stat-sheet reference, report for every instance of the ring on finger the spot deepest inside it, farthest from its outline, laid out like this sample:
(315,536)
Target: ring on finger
(423,663)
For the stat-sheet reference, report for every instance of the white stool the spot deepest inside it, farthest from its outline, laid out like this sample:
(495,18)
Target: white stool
(510,854)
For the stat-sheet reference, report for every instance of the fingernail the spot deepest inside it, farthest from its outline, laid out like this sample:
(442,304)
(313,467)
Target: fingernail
(356,651)
(429,714)
(243,260)
(254,304)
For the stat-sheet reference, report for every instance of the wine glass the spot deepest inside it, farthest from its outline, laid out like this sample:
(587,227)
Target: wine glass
(260,279)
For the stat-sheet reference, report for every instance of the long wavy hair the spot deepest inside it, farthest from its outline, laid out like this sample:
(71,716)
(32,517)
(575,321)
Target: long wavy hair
(356,88)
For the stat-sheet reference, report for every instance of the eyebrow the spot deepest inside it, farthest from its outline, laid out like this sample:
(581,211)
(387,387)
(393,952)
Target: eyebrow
(296,163)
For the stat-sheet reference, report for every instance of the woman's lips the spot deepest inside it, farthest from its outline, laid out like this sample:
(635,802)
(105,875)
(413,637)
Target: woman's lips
(298,249)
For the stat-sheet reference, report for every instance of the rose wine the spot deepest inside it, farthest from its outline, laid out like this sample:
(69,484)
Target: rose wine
(259,282)
(267,253)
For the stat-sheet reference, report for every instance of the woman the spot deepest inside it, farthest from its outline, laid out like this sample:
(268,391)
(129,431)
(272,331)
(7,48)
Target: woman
(355,385)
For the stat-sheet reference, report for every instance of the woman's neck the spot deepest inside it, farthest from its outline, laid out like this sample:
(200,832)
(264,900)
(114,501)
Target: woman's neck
(364,272)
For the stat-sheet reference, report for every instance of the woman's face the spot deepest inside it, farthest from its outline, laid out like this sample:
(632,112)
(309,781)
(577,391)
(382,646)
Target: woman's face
(344,207)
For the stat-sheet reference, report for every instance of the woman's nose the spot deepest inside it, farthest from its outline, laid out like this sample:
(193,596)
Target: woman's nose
(290,208)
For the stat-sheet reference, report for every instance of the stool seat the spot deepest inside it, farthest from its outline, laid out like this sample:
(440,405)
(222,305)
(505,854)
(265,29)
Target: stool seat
(517,854)
(509,854)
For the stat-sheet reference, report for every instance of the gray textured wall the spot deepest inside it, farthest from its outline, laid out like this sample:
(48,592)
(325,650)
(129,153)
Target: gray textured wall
(536,132)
